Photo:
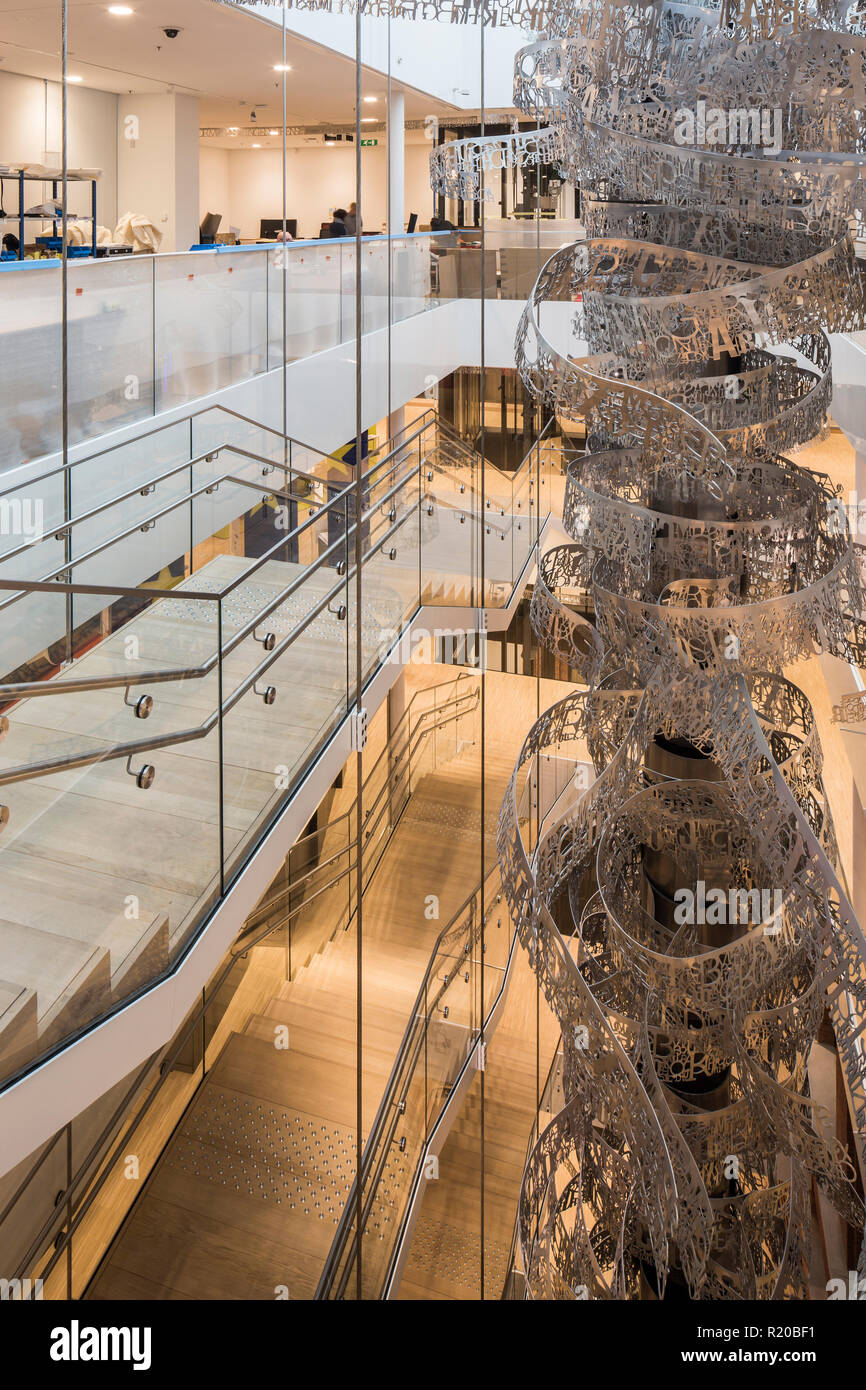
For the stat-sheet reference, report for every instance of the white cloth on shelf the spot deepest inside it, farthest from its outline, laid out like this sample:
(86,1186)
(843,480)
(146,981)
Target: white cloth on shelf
(52,207)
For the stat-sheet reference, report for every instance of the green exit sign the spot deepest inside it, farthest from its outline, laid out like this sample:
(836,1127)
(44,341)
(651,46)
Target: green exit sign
(369,142)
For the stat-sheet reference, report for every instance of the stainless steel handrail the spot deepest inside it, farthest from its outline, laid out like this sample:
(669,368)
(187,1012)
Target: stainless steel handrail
(452,1091)
(342,495)
(160,429)
(144,523)
(244,943)
(128,749)
(21,588)
(63,528)
(399,768)
(378,1144)
(533,1140)
(29,771)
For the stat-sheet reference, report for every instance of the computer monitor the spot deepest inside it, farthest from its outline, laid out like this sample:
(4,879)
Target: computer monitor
(270,226)
(209,227)
(412,223)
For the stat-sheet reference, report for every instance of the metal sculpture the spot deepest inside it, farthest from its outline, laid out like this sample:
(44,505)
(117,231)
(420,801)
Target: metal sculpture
(684,1156)
(721,153)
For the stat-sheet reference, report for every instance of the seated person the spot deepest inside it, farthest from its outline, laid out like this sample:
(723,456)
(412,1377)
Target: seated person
(11,244)
(337,226)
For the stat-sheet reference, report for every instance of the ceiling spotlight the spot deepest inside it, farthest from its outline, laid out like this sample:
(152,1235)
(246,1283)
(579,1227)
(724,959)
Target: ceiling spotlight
(282,67)
(74,79)
(119,9)
(371,98)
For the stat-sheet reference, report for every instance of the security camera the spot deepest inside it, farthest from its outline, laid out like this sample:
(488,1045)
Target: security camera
(171,33)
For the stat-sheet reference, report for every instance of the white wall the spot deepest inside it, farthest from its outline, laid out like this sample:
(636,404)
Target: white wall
(30,127)
(158,173)
(246,185)
(214,183)
(186,161)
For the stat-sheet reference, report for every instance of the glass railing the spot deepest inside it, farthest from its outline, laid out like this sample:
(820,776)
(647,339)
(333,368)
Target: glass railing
(463,984)
(458,1006)
(148,334)
(551,1102)
(512,259)
(500,535)
(45,1205)
(178,653)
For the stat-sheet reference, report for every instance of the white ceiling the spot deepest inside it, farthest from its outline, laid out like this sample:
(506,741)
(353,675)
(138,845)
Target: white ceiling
(224,58)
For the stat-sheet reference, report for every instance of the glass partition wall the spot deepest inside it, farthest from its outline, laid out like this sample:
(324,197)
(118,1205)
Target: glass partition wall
(227,495)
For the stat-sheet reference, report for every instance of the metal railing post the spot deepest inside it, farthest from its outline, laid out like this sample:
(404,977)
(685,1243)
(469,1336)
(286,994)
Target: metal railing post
(221,750)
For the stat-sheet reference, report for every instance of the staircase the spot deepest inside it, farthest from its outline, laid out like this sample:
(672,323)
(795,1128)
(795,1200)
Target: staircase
(248,1192)
(136,869)
(132,868)
(444,1256)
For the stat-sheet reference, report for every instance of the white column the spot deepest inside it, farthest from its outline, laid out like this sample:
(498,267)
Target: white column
(397,164)
(157,165)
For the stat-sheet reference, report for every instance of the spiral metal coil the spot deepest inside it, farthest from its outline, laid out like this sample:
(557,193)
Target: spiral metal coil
(705,562)
(720,153)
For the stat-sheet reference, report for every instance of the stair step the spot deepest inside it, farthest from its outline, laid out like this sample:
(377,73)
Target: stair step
(378,1058)
(379,1023)
(18,1025)
(71,980)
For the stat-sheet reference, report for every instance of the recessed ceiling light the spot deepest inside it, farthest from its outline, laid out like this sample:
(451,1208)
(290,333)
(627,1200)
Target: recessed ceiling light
(75,79)
(256,147)
(119,9)
(282,67)
(371,98)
